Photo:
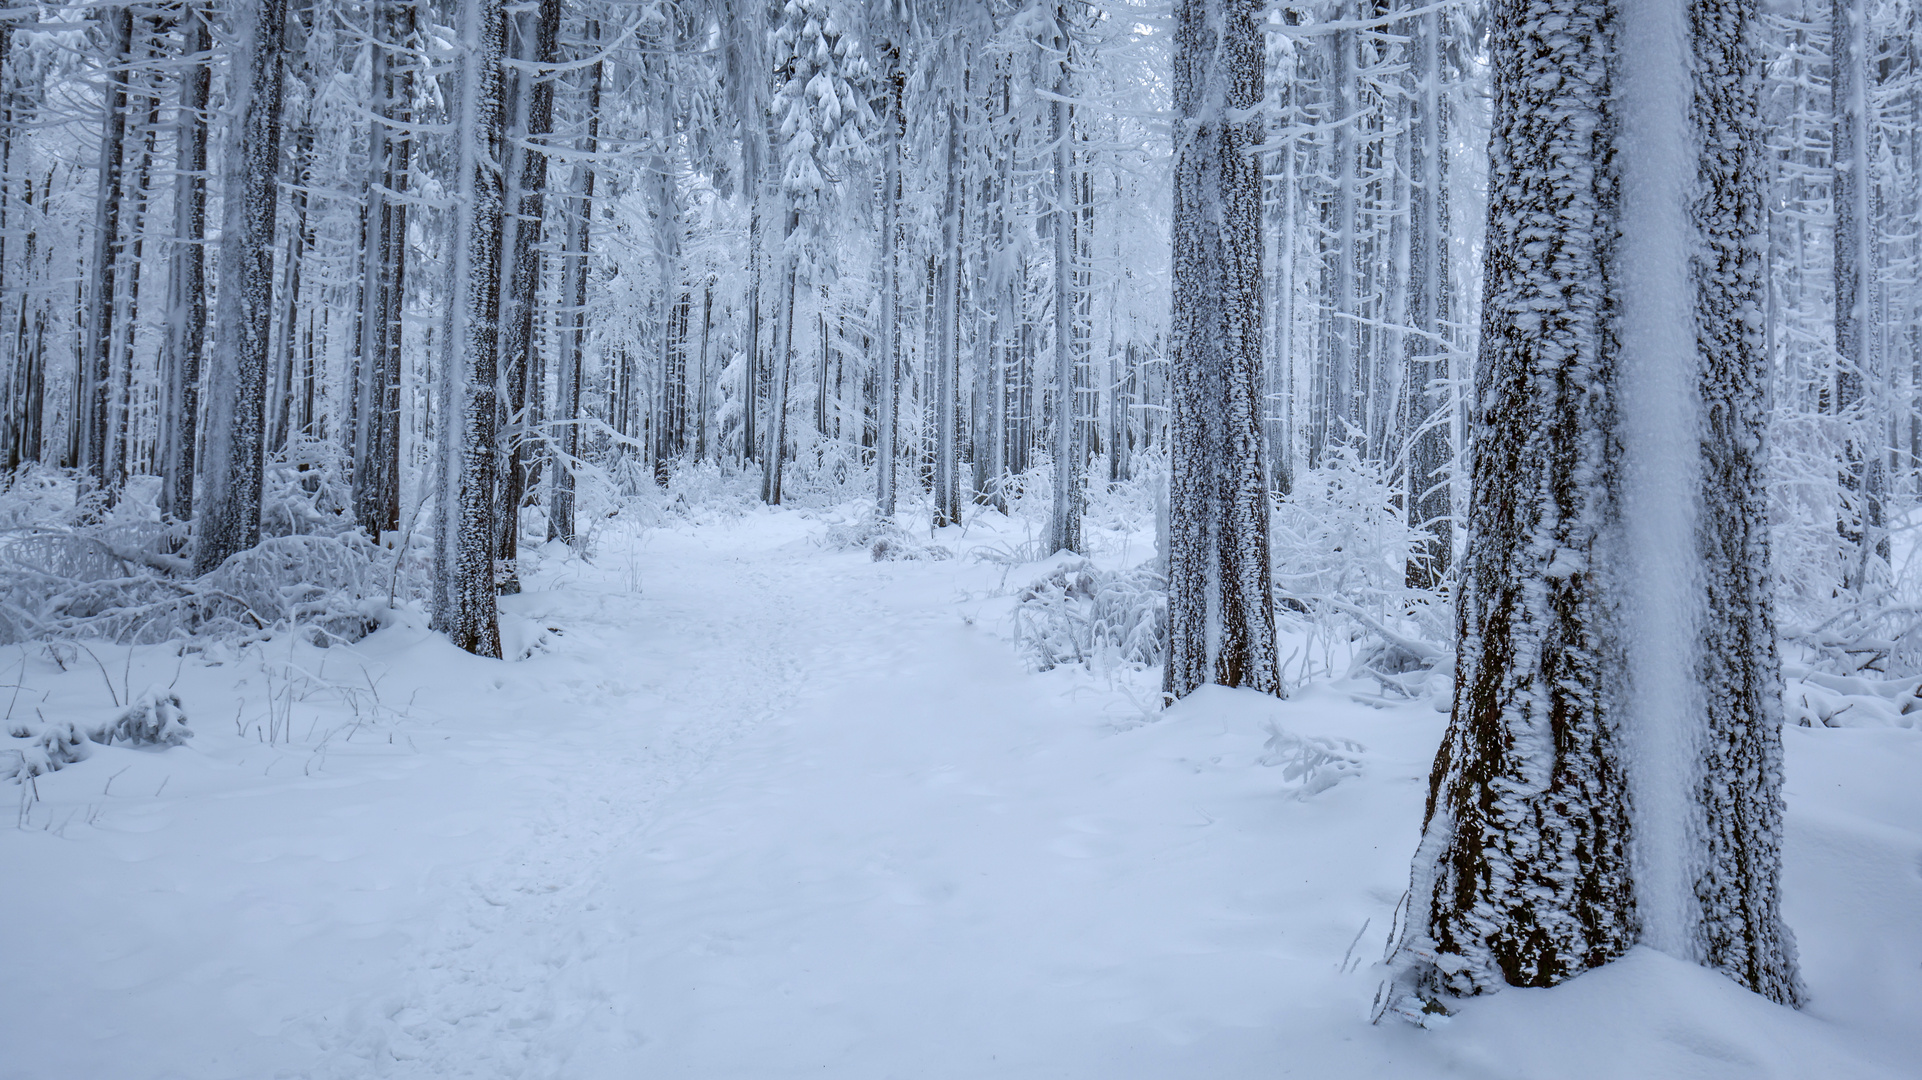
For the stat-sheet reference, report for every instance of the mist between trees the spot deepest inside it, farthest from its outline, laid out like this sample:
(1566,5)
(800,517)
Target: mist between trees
(309,310)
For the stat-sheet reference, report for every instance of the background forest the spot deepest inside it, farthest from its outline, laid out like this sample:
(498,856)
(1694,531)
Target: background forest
(881,250)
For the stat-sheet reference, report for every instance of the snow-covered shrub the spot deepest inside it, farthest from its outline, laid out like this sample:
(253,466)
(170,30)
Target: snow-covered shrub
(39,750)
(1340,548)
(626,490)
(1080,614)
(827,472)
(156,720)
(884,541)
(308,490)
(72,568)
(1311,764)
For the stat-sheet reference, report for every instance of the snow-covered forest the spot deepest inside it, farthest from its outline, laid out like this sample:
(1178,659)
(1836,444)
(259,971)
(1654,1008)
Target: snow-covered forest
(872,538)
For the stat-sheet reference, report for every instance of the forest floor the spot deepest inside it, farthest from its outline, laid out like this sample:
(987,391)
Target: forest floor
(743,805)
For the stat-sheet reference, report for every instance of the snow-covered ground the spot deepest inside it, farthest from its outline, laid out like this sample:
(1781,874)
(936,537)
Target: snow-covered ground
(753,807)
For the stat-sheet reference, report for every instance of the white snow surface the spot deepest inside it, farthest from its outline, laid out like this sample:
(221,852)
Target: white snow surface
(754,807)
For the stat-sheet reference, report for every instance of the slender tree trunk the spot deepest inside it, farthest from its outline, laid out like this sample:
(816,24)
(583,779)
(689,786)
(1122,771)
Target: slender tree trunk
(774,453)
(539,34)
(947,495)
(887,406)
(299,238)
(567,406)
(121,447)
(228,520)
(1861,521)
(1221,622)
(376,235)
(1064,524)
(117,23)
(1424,430)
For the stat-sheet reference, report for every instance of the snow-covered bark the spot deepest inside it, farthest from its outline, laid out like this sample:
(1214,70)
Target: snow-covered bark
(1522,875)
(1611,769)
(1221,626)
(465,607)
(1738,785)
(227,519)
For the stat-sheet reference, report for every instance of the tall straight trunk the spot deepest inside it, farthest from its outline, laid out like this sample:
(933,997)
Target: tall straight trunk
(947,446)
(465,605)
(121,448)
(1611,773)
(887,406)
(774,453)
(1861,520)
(1424,431)
(1343,417)
(400,151)
(539,33)
(567,377)
(376,235)
(1064,523)
(228,519)
(1221,620)
(299,238)
(97,367)
(701,404)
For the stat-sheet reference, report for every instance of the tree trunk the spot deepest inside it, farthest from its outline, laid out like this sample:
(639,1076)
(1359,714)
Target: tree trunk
(567,381)
(1611,772)
(1861,519)
(1424,428)
(117,24)
(887,406)
(228,519)
(1064,524)
(1221,623)
(465,605)
(947,445)
(539,32)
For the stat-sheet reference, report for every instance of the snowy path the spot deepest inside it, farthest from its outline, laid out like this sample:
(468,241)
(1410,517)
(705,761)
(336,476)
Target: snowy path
(763,810)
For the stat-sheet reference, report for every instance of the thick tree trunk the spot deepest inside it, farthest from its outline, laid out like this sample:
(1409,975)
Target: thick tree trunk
(1221,623)
(1611,772)
(228,519)
(465,608)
